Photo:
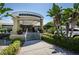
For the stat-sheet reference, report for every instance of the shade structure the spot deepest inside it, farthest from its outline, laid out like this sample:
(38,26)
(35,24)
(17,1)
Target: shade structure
(26,18)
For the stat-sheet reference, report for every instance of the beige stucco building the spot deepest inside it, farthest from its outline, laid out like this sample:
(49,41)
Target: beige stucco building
(24,20)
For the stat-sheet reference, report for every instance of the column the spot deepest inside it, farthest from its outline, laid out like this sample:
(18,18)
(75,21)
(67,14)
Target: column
(15,25)
(41,25)
(1,25)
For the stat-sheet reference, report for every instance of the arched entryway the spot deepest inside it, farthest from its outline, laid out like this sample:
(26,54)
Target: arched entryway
(24,20)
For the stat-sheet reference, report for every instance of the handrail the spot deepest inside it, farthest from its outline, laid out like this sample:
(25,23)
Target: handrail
(25,35)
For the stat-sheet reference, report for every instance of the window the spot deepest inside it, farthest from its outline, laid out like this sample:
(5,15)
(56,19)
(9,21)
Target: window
(29,15)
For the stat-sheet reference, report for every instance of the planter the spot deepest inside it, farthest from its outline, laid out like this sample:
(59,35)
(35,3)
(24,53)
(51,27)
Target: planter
(19,32)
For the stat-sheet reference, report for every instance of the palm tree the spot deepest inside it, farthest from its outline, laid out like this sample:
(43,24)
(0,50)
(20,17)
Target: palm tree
(4,11)
(74,16)
(66,18)
(55,13)
(70,17)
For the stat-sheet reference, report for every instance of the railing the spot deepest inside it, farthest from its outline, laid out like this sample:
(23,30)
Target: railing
(33,36)
(25,35)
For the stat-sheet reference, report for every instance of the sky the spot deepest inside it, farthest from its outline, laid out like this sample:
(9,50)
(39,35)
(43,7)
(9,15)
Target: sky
(40,8)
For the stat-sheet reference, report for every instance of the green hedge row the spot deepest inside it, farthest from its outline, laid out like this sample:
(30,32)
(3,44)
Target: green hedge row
(47,39)
(48,34)
(70,44)
(12,49)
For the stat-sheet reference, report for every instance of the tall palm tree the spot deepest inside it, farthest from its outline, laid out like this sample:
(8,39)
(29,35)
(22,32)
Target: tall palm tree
(70,16)
(74,16)
(55,13)
(66,18)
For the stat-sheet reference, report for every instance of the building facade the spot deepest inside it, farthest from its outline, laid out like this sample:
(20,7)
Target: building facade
(23,20)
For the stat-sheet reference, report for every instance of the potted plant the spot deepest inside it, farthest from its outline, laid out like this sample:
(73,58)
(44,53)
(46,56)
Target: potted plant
(19,32)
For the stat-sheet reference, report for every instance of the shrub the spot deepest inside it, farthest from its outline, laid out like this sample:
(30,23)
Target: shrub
(70,43)
(76,38)
(18,39)
(48,34)
(51,30)
(12,49)
(47,38)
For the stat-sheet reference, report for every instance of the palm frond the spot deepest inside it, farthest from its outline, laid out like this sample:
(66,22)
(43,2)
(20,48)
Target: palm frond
(2,11)
(7,14)
(1,5)
(54,10)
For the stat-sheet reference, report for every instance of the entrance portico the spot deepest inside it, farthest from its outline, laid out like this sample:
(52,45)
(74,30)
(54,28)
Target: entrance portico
(26,19)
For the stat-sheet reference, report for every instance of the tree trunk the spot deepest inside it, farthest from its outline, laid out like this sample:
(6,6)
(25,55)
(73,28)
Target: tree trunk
(57,27)
(72,27)
(67,29)
(73,21)
(57,23)
(71,31)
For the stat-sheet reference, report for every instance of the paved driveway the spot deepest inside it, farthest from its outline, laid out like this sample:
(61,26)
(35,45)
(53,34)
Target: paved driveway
(38,47)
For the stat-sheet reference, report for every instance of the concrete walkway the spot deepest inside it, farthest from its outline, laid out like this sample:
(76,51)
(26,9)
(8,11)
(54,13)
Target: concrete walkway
(38,47)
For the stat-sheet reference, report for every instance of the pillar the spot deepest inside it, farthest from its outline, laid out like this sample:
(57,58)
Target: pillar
(16,25)
(1,25)
(41,25)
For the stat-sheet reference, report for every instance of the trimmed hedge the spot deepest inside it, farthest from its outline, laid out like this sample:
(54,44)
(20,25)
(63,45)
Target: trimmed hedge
(47,39)
(12,49)
(71,44)
(48,34)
